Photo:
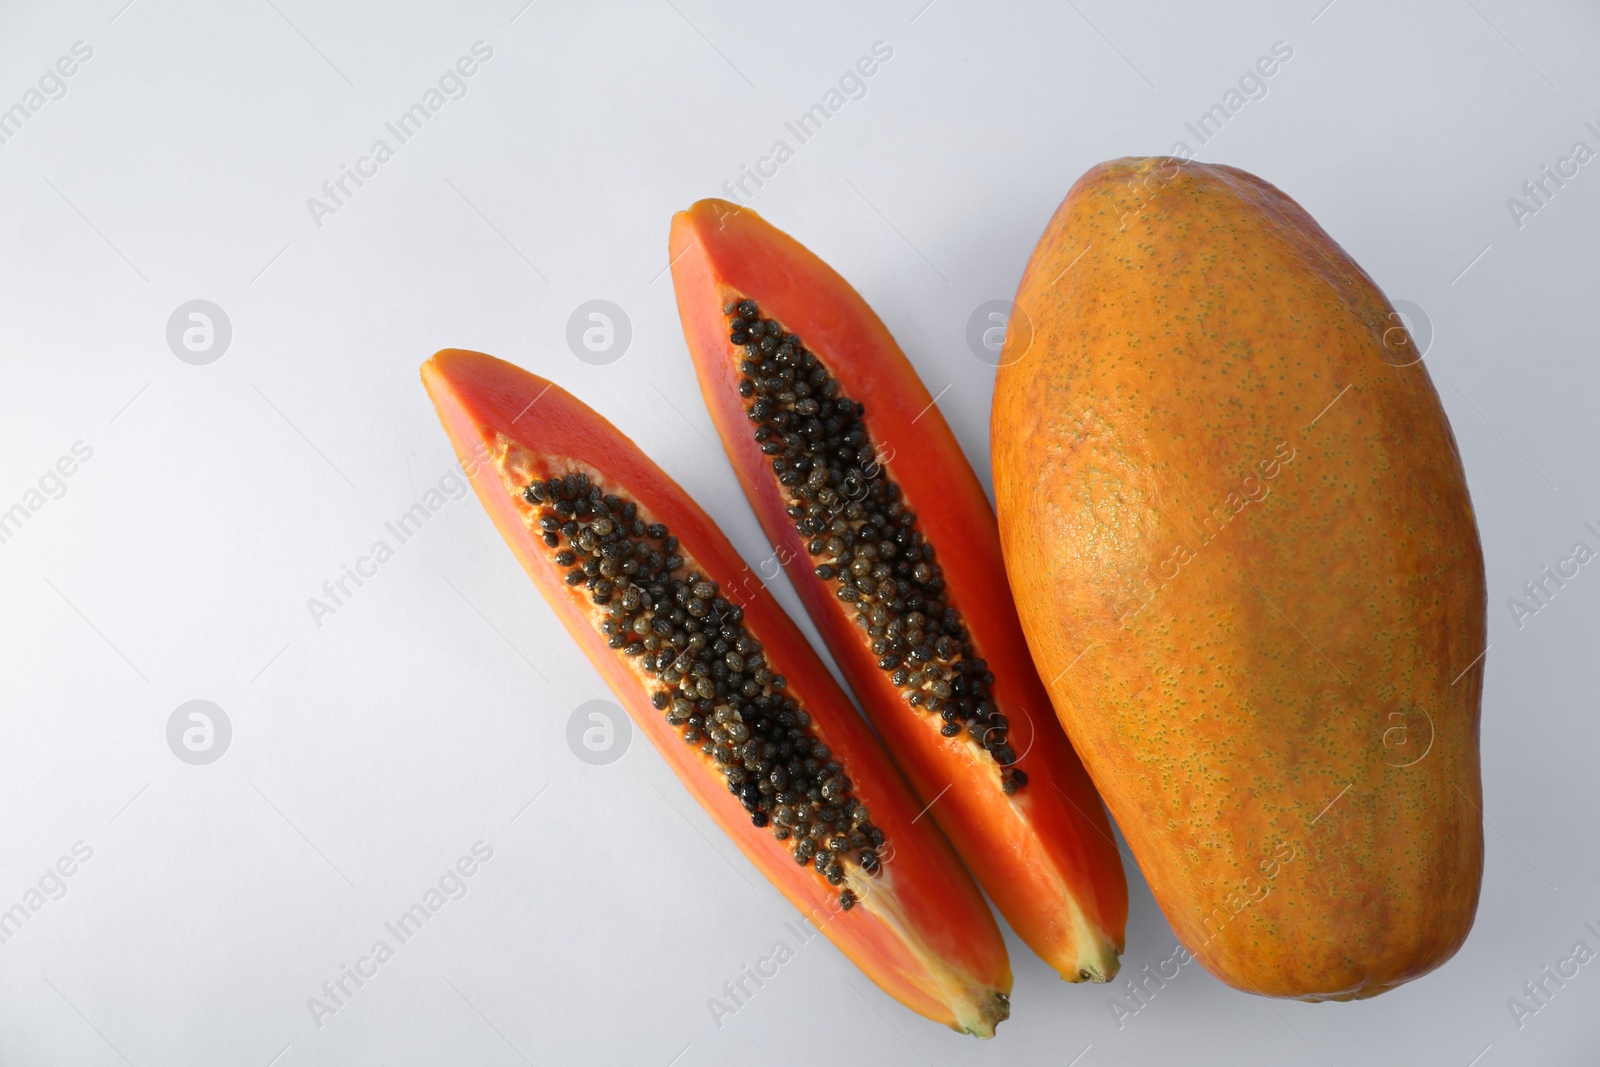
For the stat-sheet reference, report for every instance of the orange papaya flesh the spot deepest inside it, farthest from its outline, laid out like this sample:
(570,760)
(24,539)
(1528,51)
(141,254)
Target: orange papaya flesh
(897,900)
(936,656)
(1229,494)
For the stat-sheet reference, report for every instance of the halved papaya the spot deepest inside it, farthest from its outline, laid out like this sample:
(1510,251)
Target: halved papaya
(725,686)
(888,537)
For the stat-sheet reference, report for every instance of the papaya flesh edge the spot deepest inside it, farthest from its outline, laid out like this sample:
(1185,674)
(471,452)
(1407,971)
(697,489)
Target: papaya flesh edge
(1045,855)
(1225,480)
(920,928)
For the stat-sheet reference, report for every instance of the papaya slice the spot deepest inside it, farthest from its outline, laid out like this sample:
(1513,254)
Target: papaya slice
(725,686)
(888,537)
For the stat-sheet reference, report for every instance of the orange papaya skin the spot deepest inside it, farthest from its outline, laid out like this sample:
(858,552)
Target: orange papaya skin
(1045,855)
(1225,481)
(921,929)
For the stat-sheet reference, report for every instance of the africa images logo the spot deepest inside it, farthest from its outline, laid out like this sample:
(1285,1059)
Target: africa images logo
(52,85)
(452,85)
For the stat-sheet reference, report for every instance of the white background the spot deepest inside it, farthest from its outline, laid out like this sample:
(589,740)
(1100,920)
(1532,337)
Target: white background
(369,752)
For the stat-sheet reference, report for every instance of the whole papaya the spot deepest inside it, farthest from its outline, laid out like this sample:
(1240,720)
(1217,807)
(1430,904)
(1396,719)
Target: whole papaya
(1238,532)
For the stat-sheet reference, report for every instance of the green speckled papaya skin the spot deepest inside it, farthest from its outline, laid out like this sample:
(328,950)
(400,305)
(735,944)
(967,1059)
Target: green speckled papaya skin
(1238,532)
